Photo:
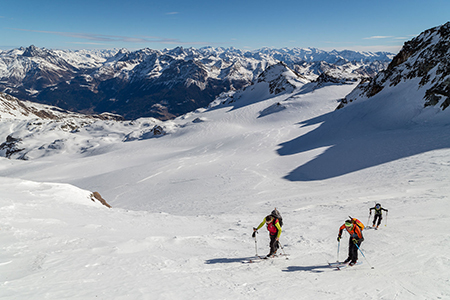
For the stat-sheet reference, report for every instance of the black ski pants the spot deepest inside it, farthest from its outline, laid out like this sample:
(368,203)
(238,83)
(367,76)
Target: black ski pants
(379,217)
(273,244)
(353,250)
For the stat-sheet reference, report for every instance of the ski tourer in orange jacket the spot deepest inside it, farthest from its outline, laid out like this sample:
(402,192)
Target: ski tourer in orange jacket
(356,238)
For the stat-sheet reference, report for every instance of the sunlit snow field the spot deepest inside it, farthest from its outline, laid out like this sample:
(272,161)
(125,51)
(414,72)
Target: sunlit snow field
(184,205)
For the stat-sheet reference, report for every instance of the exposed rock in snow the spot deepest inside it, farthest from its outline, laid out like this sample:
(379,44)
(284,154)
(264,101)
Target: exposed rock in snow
(95,196)
(10,147)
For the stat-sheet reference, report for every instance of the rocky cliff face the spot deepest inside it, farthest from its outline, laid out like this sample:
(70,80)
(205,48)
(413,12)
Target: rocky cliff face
(161,84)
(423,62)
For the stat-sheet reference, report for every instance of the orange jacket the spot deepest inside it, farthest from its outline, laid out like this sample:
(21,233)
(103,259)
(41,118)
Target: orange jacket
(355,232)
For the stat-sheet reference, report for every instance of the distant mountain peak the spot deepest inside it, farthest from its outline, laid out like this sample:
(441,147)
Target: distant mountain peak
(33,51)
(280,77)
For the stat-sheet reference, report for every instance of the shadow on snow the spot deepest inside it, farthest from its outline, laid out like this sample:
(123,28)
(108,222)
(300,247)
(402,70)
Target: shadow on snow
(316,269)
(228,260)
(354,140)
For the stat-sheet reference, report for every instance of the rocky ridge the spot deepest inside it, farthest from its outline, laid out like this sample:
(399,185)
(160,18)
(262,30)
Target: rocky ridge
(425,60)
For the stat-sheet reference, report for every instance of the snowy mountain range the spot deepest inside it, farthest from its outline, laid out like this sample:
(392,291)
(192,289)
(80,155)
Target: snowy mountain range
(161,84)
(186,193)
(31,138)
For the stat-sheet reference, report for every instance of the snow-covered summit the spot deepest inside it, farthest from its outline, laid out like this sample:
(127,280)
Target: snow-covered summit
(280,78)
(275,72)
(276,80)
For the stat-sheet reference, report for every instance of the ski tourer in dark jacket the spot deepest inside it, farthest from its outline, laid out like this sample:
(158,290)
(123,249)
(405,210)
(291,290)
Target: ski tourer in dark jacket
(378,214)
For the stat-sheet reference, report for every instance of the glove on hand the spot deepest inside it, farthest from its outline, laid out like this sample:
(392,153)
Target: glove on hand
(339,238)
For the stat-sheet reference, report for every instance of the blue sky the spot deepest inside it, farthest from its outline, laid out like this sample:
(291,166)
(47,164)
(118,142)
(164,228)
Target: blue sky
(245,24)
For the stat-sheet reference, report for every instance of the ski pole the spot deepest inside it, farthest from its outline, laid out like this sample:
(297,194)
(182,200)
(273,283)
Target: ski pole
(256,244)
(281,246)
(385,224)
(356,244)
(368,219)
(339,244)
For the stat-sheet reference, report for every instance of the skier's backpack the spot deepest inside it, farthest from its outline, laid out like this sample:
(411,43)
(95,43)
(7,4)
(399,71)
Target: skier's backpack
(357,222)
(276,214)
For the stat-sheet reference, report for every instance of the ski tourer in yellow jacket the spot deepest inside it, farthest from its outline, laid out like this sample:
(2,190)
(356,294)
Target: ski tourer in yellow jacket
(274,228)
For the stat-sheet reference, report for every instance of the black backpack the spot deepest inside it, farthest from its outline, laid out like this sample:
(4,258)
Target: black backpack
(276,214)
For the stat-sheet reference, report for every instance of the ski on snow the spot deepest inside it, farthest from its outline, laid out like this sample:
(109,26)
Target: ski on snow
(254,260)
(342,265)
(372,227)
(263,258)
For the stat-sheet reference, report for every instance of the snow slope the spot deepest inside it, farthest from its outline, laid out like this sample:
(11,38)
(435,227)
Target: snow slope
(184,205)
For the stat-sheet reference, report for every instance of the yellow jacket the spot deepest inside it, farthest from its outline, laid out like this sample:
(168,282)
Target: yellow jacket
(273,227)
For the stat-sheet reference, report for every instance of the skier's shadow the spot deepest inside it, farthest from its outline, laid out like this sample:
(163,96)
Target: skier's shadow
(227,260)
(315,269)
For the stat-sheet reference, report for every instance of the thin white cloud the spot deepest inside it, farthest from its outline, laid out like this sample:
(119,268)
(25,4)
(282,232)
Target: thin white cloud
(405,37)
(113,38)
(378,37)
(388,37)
(90,36)
(87,43)
(375,48)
